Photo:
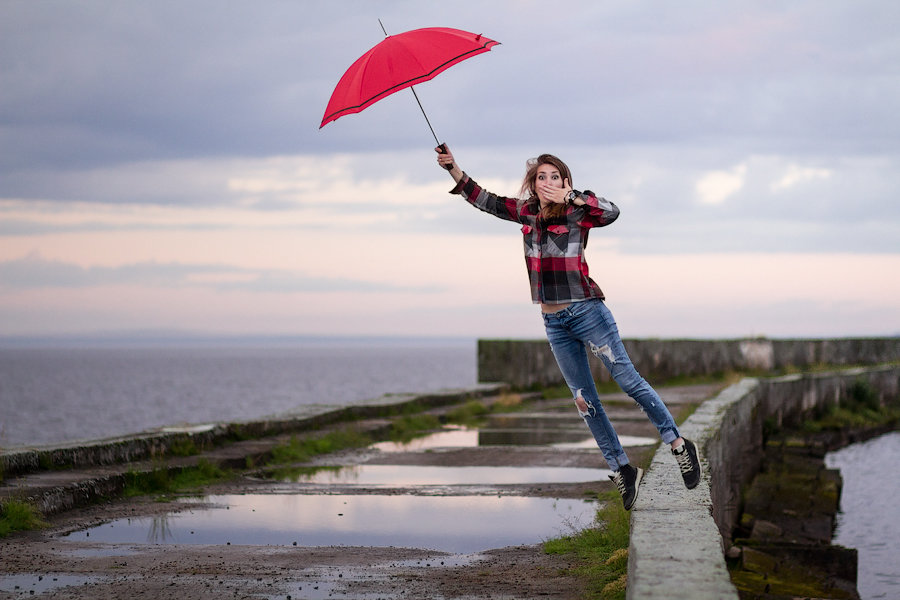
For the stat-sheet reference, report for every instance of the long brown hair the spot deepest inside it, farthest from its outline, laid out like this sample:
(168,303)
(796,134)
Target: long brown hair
(528,183)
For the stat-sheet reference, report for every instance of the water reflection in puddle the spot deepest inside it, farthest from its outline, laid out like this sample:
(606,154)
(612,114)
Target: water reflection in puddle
(406,475)
(449,437)
(627,441)
(513,434)
(456,524)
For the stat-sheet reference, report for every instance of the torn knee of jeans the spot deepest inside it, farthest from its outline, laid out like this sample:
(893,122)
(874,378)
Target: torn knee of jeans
(584,409)
(603,351)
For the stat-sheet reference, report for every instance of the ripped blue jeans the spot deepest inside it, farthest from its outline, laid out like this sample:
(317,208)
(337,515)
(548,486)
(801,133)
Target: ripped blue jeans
(589,325)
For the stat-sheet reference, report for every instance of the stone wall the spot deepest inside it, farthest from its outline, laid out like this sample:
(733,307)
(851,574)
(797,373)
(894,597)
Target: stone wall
(528,363)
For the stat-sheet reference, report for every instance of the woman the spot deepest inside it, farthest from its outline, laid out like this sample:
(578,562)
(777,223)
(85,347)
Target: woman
(555,223)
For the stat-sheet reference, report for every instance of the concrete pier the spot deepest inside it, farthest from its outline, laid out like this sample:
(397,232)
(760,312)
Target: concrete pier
(679,536)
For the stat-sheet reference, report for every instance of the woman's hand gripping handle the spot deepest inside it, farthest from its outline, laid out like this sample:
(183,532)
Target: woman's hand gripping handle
(445,159)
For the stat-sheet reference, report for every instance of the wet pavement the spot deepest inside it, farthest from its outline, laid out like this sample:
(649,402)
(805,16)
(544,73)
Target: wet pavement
(458,513)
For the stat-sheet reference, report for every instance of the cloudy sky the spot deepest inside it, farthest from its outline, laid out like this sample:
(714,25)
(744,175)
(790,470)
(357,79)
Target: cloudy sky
(162,167)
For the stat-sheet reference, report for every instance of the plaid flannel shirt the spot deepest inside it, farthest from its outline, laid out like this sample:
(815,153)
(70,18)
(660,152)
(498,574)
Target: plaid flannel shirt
(554,248)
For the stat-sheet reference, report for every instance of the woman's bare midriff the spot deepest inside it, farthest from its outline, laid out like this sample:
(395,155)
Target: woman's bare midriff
(552,308)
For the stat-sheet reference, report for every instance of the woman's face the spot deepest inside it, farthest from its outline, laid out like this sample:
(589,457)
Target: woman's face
(547,175)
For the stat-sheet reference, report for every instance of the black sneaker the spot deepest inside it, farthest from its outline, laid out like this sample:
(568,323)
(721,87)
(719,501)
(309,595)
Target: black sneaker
(627,479)
(689,463)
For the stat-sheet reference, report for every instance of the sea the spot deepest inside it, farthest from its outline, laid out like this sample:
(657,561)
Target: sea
(65,391)
(869,517)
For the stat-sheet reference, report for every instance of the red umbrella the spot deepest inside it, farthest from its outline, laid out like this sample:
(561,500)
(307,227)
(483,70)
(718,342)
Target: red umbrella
(401,61)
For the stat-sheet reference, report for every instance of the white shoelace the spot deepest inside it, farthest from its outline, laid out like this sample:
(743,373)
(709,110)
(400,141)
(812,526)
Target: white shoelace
(684,461)
(619,481)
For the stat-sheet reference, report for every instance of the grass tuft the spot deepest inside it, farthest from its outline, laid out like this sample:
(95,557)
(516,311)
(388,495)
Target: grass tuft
(183,447)
(601,553)
(507,401)
(299,450)
(468,413)
(859,407)
(406,428)
(163,481)
(19,516)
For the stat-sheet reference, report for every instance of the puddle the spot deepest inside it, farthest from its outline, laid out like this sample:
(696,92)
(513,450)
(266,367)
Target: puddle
(510,431)
(627,441)
(455,524)
(449,437)
(29,584)
(408,475)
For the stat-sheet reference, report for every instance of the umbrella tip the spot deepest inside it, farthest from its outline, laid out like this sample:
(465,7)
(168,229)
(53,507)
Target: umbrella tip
(478,37)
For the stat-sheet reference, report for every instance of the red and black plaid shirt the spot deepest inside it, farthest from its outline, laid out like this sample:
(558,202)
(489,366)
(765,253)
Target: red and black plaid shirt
(554,248)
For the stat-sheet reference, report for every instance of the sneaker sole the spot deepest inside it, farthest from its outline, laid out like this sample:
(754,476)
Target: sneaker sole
(637,487)
(699,468)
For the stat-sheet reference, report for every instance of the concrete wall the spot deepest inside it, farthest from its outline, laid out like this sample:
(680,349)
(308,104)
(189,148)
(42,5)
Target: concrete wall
(527,363)
(678,536)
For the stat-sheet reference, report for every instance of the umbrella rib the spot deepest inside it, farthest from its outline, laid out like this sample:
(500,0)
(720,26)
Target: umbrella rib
(409,82)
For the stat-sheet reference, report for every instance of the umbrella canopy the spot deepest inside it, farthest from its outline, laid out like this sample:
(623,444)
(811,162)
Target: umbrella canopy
(401,61)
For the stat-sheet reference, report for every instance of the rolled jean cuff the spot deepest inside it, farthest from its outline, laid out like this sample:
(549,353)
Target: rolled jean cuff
(669,435)
(619,462)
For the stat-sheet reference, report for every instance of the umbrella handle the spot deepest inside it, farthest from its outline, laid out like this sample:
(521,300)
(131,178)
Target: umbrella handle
(443,148)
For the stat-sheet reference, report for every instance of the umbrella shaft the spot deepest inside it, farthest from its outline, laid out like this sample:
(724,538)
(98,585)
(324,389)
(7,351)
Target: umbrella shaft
(413,90)
(419,102)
